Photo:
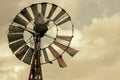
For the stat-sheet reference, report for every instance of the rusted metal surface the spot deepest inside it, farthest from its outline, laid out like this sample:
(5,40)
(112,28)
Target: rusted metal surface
(34,9)
(13,37)
(16,45)
(28,57)
(26,14)
(63,21)
(19,54)
(61,62)
(69,50)
(44,5)
(20,21)
(57,56)
(53,51)
(60,45)
(15,29)
(52,11)
(61,13)
(66,38)
(45,55)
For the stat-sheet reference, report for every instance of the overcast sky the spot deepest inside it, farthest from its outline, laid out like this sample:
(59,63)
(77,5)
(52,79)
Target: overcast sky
(97,37)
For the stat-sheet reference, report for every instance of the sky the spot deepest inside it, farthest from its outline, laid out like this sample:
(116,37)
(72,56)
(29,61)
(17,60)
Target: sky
(97,37)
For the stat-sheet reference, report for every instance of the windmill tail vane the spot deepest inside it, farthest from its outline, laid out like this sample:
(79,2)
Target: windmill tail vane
(36,32)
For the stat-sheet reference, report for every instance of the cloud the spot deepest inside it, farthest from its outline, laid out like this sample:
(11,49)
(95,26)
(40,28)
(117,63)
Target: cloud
(12,69)
(86,10)
(101,40)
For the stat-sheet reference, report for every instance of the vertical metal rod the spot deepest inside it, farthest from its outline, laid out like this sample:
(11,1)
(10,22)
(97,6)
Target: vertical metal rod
(36,71)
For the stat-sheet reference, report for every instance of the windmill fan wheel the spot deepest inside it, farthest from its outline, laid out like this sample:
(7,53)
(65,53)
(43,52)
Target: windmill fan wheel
(54,42)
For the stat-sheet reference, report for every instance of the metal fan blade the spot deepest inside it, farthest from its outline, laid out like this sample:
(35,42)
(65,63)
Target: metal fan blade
(20,21)
(44,5)
(19,54)
(69,50)
(57,56)
(61,13)
(63,21)
(66,38)
(34,10)
(28,57)
(26,14)
(15,29)
(46,56)
(13,37)
(54,7)
(61,62)
(16,45)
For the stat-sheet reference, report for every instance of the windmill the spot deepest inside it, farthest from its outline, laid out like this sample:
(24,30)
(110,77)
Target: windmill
(39,34)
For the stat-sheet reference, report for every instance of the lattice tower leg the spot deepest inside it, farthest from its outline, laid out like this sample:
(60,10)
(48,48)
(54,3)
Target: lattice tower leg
(36,72)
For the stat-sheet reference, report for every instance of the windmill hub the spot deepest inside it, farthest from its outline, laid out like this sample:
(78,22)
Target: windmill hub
(41,29)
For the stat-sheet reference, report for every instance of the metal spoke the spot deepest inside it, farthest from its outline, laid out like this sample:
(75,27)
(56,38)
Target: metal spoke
(51,26)
(27,29)
(61,18)
(28,39)
(49,36)
(32,23)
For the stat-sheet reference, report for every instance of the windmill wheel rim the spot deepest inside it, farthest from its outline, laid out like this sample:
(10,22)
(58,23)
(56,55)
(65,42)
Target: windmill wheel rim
(29,20)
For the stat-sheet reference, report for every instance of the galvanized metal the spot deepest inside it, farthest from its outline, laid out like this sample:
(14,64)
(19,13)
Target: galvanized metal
(43,10)
(34,9)
(14,37)
(15,29)
(61,13)
(26,14)
(54,7)
(46,55)
(20,21)
(28,57)
(15,46)
(63,21)
(19,54)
